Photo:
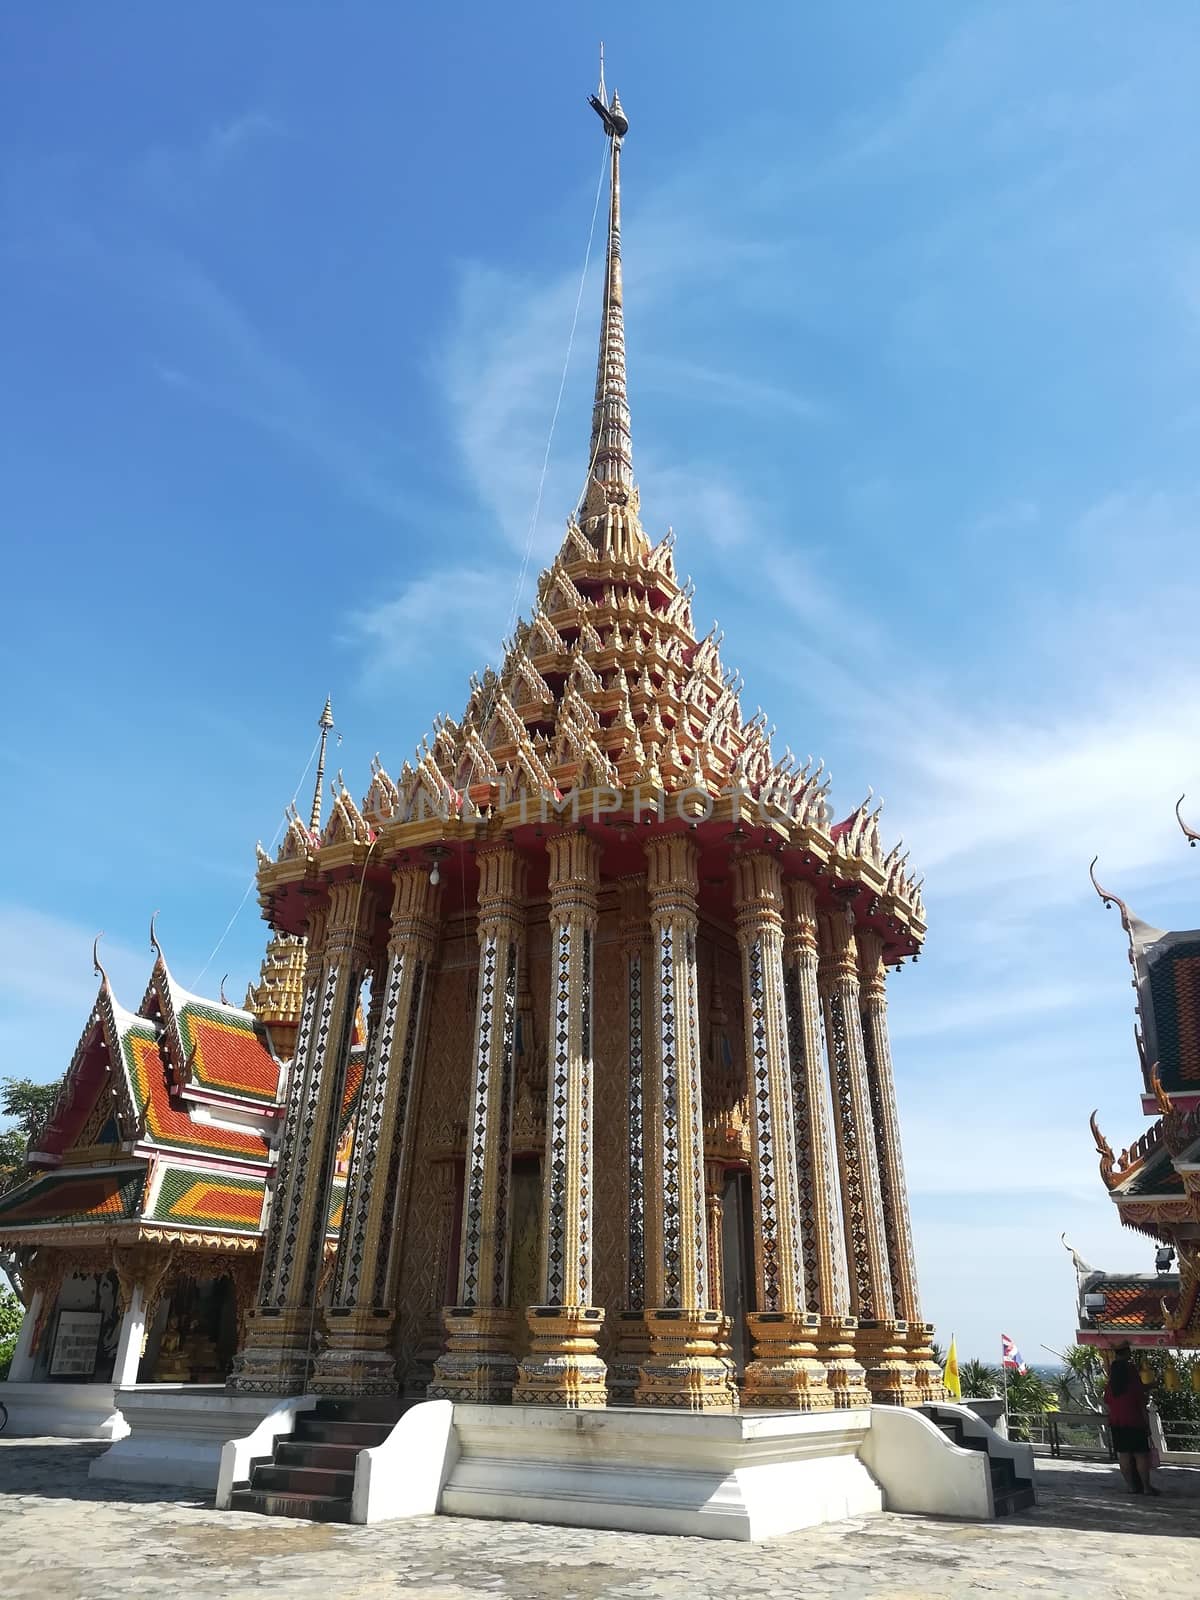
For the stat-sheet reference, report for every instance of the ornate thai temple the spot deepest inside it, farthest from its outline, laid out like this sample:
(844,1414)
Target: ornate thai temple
(1155,1182)
(627,1130)
(135,1232)
(566,1085)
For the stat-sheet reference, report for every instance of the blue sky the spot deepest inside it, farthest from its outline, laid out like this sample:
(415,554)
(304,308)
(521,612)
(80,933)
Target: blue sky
(913,306)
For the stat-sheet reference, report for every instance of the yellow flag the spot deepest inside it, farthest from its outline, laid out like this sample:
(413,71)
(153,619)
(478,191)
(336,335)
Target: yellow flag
(950,1374)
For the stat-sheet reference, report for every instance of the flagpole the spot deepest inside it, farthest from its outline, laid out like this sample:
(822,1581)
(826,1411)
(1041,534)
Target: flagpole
(1004,1380)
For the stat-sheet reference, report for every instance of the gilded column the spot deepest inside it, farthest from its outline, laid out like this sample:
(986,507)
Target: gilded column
(562,1367)
(478,1363)
(683,1368)
(783,1370)
(279,1331)
(359,1322)
(823,1246)
(889,1153)
(878,1344)
(633,1341)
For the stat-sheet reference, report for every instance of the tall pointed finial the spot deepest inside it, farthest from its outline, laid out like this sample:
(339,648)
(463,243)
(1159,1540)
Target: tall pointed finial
(610,459)
(324,724)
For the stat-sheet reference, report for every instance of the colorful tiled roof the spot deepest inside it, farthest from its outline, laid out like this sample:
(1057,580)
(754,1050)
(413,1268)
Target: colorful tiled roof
(1174,992)
(165,1123)
(1156,1176)
(1132,1301)
(196,1199)
(113,1194)
(219,1045)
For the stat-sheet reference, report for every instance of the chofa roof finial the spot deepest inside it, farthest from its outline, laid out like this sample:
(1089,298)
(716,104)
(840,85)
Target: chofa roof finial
(1108,897)
(1190,834)
(97,964)
(154,944)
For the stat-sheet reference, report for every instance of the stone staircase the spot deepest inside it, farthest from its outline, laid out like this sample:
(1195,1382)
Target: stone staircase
(1009,1492)
(311,1471)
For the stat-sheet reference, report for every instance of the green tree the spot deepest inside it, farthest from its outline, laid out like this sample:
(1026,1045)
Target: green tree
(27,1105)
(978,1380)
(1082,1383)
(11,1312)
(1028,1396)
(1177,1402)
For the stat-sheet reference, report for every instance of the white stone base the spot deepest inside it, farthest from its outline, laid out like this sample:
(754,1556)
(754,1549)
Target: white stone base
(62,1411)
(175,1432)
(749,1475)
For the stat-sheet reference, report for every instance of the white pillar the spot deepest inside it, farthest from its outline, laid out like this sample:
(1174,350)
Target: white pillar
(129,1345)
(21,1370)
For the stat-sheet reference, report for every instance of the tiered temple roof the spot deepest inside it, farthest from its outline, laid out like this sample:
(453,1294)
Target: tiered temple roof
(1155,1181)
(164,1120)
(605,689)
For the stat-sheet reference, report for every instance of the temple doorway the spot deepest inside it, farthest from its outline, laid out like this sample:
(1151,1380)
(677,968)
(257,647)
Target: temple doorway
(737,1260)
(524,1271)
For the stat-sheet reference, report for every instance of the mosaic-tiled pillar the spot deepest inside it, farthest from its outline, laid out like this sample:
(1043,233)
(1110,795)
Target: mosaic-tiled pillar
(683,1369)
(633,1341)
(872,973)
(823,1245)
(878,1343)
(783,1370)
(478,1363)
(562,1367)
(277,1354)
(359,1322)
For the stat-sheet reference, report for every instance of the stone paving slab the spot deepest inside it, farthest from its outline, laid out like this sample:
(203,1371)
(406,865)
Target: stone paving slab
(64,1537)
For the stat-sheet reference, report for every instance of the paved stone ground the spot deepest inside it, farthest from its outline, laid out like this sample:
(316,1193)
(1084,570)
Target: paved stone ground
(66,1538)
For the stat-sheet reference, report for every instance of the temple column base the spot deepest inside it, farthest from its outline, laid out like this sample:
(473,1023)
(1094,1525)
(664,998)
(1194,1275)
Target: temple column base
(357,1356)
(276,1357)
(562,1367)
(834,1339)
(633,1347)
(784,1373)
(880,1346)
(418,1374)
(478,1363)
(919,1346)
(684,1370)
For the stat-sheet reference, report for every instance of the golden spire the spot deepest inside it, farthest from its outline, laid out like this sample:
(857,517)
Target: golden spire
(324,724)
(610,470)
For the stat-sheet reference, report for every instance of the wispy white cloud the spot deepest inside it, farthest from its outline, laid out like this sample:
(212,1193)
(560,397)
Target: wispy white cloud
(459,613)
(176,175)
(240,374)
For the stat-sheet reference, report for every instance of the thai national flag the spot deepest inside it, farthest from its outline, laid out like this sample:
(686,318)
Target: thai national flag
(1014,1361)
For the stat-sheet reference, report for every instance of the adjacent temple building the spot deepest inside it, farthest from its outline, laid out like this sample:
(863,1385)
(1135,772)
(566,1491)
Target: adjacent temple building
(624,1123)
(1155,1183)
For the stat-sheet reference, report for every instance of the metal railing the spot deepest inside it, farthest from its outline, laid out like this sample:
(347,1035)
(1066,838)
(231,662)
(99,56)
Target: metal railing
(1064,1435)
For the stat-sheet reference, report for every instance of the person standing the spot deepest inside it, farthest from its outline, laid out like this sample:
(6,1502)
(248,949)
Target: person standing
(1125,1402)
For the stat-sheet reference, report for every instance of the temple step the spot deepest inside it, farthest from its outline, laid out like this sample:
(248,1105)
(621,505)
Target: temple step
(311,1471)
(325,1431)
(369,1408)
(312,1482)
(304,1453)
(317,1508)
(1009,1492)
